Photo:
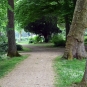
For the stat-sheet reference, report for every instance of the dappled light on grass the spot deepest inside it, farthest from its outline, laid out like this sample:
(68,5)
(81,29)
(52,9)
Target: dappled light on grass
(69,72)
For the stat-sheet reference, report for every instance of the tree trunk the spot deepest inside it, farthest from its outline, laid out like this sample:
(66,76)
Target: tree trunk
(75,39)
(46,38)
(12,49)
(67,25)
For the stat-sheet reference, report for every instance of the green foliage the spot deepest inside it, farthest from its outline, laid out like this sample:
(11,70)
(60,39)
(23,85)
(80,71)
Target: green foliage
(58,40)
(6,65)
(3,46)
(45,27)
(68,72)
(30,10)
(36,39)
(85,39)
(31,40)
(3,12)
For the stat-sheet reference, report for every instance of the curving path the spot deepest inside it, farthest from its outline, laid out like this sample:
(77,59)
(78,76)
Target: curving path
(35,71)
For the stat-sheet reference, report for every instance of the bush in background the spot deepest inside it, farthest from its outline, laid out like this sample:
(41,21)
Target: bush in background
(3,46)
(85,39)
(19,47)
(36,39)
(31,40)
(58,40)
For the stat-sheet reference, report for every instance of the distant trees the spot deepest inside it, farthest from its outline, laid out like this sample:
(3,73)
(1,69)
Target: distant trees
(46,26)
(31,10)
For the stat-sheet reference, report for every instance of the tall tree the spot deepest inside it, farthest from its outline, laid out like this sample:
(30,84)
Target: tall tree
(46,26)
(12,49)
(75,39)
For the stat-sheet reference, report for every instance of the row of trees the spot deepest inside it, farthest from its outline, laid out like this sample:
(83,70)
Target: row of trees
(26,12)
(31,10)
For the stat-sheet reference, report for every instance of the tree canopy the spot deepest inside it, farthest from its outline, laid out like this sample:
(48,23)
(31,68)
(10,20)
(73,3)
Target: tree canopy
(30,10)
(3,16)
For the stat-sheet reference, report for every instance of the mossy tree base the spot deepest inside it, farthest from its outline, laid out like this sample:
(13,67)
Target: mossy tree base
(74,49)
(15,54)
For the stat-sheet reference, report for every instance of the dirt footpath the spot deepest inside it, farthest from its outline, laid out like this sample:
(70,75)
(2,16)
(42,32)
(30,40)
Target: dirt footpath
(35,71)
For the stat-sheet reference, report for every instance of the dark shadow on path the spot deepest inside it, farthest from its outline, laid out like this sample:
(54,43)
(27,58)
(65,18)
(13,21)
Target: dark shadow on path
(42,48)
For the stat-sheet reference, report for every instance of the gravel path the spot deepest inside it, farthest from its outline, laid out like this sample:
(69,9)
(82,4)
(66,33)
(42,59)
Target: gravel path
(35,71)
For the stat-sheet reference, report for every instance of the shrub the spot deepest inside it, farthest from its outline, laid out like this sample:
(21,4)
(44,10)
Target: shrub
(3,46)
(85,39)
(31,40)
(19,47)
(58,40)
(38,39)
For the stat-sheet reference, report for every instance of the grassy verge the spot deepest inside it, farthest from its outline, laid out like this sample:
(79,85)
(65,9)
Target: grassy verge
(25,49)
(68,72)
(6,65)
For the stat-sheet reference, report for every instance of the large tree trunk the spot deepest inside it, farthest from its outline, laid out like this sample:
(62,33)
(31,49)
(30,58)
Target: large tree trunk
(75,39)
(12,49)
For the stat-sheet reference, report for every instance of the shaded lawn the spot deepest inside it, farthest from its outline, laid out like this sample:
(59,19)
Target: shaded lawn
(6,65)
(68,72)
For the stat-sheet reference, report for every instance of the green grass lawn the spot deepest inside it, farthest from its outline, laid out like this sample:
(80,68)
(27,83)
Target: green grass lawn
(22,42)
(68,72)
(6,65)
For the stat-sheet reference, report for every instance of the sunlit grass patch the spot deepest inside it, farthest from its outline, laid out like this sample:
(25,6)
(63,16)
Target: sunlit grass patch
(68,72)
(6,65)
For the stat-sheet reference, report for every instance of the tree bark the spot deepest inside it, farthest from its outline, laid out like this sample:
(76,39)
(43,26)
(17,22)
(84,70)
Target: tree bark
(46,39)
(75,39)
(67,25)
(12,49)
